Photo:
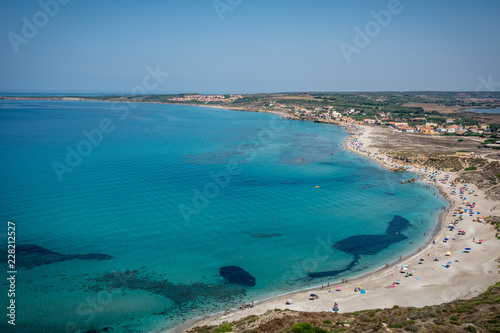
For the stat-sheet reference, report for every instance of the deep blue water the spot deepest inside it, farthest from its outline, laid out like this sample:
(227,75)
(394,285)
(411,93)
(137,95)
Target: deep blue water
(159,210)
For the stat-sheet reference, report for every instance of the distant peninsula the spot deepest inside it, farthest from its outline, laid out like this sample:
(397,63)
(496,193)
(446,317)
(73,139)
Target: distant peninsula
(428,112)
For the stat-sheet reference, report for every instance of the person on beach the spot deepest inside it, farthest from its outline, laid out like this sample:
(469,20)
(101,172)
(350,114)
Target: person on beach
(335,307)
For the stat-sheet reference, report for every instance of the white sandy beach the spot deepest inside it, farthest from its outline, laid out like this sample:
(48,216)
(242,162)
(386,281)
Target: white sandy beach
(468,275)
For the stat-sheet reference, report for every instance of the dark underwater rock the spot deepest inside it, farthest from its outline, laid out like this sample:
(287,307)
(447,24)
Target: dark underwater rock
(264,234)
(372,244)
(368,244)
(184,295)
(99,330)
(237,275)
(30,255)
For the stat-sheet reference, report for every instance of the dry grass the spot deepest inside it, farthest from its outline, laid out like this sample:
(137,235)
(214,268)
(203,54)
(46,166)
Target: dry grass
(435,107)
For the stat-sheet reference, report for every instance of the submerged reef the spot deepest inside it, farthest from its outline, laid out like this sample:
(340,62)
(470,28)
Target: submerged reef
(367,244)
(30,256)
(185,296)
(237,275)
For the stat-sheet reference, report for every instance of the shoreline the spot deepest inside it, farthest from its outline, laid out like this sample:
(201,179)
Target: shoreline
(427,241)
(480,272)
(474,272)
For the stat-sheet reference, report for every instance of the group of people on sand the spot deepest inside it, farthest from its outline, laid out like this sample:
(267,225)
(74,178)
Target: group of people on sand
(246,306)
(429,175)
(242,307)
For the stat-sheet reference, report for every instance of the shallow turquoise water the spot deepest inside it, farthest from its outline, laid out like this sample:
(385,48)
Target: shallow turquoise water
(176,192)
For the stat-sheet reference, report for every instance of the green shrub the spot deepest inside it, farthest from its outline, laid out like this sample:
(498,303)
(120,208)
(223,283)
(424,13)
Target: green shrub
(301,327)
(307,328)
(465,307)
(403,324)
(470,168)
(224,328)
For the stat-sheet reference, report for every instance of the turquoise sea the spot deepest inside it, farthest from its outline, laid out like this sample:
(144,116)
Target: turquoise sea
(126,213)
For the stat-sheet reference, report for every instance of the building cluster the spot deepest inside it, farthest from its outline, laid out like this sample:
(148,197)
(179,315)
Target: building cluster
(329,114)
(206,98)
(433,128)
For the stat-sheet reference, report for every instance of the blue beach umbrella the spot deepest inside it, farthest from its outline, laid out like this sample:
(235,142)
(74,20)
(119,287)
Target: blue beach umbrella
(468,248)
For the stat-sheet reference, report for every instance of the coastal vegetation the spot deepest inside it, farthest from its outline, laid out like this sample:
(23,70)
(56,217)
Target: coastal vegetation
(479,314)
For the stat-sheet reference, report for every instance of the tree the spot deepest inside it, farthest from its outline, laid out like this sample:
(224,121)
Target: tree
(494,127)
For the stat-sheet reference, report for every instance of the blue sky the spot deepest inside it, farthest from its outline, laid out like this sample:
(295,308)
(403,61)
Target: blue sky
(249,46)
